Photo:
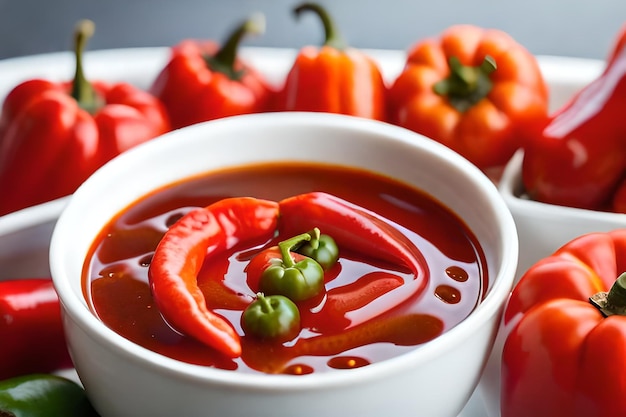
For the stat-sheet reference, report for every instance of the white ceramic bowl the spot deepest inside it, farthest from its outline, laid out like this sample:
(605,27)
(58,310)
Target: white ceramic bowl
(435,379)
(543,228)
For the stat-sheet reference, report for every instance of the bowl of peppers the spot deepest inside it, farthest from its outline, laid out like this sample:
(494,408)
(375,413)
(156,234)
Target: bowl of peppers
(568,179)
(246,286)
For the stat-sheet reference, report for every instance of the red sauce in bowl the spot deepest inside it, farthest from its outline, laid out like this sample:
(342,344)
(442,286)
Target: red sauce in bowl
(116,272)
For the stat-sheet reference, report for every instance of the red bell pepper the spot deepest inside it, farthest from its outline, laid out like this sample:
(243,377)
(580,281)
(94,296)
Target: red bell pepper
(564,352)
(578,160)
(245,222)
(334,78)
(475,90)
(31,330)
(201,82)
(54,135)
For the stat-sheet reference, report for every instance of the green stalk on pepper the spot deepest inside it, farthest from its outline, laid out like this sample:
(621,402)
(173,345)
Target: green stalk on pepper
(322,248)
(297,280)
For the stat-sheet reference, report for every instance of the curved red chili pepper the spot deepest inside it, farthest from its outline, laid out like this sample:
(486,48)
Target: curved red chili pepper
(354,229)
(179,256)
(359,231)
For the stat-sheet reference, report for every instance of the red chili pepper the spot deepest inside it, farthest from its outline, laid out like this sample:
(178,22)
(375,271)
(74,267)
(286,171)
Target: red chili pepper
(354,229)
(334,78)
(579,159)
(358,233)
(54,135)
(31,329)
(202,83)
(178,258)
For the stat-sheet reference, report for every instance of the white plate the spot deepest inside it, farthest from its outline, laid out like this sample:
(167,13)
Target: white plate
(25,235)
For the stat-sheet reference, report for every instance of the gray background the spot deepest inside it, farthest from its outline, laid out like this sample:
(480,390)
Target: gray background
(579,28)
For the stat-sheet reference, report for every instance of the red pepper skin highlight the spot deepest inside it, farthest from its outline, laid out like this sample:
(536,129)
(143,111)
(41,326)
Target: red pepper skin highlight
(31,330)
(179,256)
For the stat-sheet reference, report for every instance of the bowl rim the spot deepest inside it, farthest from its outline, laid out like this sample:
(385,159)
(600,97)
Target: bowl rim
(491,305)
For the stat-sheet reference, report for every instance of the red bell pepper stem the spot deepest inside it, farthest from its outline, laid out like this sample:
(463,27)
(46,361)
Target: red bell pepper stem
(332,35)
(179,257)
(82,90)
(31,329)
(466,85)
(612,302)
(224,60)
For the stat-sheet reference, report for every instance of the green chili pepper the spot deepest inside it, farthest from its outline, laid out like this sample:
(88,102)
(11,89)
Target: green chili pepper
(296,280)
(43,395)
(271,317)
(322,248)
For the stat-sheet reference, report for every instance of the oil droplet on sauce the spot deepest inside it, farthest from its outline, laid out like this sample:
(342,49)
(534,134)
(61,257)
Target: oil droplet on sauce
(347,362)
(457,273)
(298,369)
(448,294)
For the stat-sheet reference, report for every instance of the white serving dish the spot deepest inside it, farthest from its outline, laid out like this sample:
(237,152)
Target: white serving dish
(25,235)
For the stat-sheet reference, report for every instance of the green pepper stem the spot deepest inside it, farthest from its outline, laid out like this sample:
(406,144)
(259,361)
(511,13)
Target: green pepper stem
(332,35)
(224,60)
(266,307)
(617,294)
(466,85)
(286,245)
(315,238)
(612,302)
(82,90)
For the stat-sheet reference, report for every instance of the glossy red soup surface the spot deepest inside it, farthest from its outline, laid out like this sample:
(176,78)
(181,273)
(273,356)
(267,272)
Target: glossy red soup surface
(116,273)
